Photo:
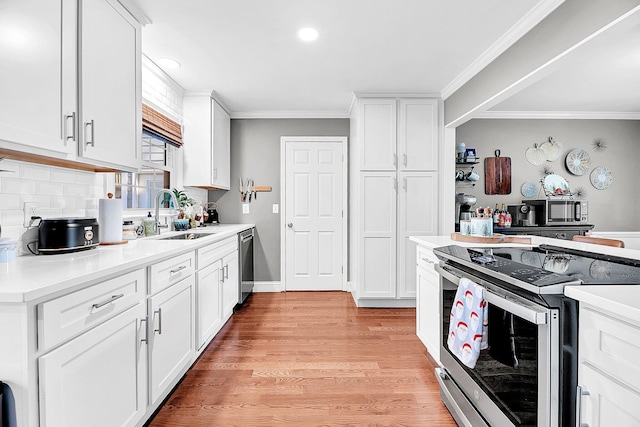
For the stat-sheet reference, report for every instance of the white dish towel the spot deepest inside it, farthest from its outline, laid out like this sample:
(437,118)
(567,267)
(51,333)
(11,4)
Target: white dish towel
(468,323)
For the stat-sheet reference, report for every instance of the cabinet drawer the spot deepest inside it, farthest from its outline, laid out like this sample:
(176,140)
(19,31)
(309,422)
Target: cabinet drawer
(560,234)
(610,345)
(64,317)
(213,252)
(166,273)
(426,259)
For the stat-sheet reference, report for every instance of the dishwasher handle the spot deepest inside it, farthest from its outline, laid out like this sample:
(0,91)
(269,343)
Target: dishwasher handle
(246,237)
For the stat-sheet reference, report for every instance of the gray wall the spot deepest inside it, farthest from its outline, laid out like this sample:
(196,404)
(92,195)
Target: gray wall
(255,153)
(613,209)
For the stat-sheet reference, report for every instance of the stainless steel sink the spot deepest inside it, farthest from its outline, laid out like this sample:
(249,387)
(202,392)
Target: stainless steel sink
(186,236)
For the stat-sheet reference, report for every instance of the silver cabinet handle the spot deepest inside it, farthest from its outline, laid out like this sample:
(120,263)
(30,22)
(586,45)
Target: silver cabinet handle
(159,312)
(428,260)
(226,272)
(404,182)
(70,135)
(176,270)
(89,141)
(581,393)
(395,159)
(215,173)
(145,320)
(404,160)
(290,225)
(109,301)
(395,184)
(561,235)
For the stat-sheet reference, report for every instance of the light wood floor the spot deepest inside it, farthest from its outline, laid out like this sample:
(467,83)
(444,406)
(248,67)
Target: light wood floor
(310,359)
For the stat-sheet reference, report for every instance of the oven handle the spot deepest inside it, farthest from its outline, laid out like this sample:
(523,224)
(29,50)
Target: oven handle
(532,314)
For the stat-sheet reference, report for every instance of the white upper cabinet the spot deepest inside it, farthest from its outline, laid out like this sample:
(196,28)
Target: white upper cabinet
(418,134)
(70,81)
(207,143)
(37,76)
(110,91)
(377,127)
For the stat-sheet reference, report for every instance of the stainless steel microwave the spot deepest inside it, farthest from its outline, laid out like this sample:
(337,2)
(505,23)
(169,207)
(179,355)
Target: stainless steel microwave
(560,212)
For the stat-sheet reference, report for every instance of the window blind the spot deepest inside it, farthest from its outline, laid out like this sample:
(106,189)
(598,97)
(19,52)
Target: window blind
(161,125)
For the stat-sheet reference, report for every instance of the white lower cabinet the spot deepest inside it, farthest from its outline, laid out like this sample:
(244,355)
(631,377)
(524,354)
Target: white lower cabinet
(209,303)
(428,302)
(98,378)
(171,346)
(608,370)
(230,284)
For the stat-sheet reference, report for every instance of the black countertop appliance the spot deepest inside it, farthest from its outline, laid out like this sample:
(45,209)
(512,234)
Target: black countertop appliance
(64,235)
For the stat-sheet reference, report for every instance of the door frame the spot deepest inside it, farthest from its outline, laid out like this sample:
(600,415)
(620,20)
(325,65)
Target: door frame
(283,199)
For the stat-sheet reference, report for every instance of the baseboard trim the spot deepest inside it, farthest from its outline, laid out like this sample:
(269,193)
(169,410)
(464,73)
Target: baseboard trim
(274,286)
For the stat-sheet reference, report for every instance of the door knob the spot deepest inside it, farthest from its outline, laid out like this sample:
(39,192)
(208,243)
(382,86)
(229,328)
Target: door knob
(290,225)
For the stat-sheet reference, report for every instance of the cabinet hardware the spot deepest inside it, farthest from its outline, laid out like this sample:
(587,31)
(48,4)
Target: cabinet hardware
(395,160)
(146,334)
(72,134)
(159,312)
(581,393)
(226,272)
(428,260)
(109,301)
(404,182)
(395,184)
(89,141)
(290,225)
(215,173)
(176,270)
(404,160)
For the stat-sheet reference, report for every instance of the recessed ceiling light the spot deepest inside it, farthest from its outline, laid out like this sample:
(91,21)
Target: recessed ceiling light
(308,34)
(168,63)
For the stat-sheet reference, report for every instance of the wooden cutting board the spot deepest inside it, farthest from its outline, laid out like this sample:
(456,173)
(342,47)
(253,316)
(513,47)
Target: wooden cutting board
(496,238)
(497,174)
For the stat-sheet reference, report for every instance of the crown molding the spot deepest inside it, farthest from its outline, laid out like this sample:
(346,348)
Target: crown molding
(134,9)
(523,26)
(395,95)
(323,114)
(559,115)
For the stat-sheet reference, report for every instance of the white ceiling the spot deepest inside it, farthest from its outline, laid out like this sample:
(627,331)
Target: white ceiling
(599,79)
(248,53)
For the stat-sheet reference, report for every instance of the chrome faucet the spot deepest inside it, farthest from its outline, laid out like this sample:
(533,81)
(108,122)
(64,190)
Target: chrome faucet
(157,217)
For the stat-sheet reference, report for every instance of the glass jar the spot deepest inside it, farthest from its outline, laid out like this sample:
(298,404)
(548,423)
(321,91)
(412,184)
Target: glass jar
(129,230)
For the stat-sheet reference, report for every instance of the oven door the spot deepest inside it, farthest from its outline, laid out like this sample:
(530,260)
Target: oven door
(515,380)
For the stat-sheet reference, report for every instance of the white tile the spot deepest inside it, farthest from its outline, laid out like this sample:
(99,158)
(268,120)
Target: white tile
(18,186)
(12,232)
(35,172)
(87,203)
(91,213)
(11,217)
(41,202)
(73,212)
(75,190)
(51,213)
(63,202)
(88,178)
(9,201)
(62,175)
(49,188)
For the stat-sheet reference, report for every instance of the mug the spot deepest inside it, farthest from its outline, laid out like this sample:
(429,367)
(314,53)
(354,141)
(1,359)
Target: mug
(473,176)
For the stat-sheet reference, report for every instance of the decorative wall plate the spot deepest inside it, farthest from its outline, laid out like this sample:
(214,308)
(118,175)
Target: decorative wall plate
(601,178)
(529,189)
(535,155)
(578,161)
(555,185)
(551,150)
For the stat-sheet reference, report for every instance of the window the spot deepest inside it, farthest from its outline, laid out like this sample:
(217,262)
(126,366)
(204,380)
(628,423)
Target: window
(161,138)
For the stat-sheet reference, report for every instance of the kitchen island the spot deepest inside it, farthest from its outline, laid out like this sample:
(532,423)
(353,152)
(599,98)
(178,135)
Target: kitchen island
(606,365)
(103,335)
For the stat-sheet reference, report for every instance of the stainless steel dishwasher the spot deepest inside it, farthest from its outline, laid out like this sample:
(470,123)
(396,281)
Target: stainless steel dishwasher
(245,244)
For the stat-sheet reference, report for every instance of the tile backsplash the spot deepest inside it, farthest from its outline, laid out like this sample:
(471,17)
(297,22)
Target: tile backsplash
(56,192)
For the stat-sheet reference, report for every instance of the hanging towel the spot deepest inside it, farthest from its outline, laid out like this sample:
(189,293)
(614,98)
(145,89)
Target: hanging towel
(468,323)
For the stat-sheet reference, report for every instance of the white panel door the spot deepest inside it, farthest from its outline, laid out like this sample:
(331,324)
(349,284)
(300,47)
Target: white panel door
(417,216)
(377,266)
(418,134)
(314,215)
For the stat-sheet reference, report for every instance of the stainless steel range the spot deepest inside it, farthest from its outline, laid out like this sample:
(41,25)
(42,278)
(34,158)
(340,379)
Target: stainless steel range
(528,374)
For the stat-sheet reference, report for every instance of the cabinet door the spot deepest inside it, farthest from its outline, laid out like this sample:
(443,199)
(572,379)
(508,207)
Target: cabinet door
(609,402)
(417,216)
(208,303)
(230,284)
(37,76)
(378,234)
(98,378)
(171,346)
(428,310)
(110,93)
(221,147)
(418,134)
(377,134)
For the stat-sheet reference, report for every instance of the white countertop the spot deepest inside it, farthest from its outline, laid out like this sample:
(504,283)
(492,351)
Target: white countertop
(621,299)
(32,278)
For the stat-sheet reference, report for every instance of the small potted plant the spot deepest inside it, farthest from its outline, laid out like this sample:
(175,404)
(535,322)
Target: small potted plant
(185,204)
